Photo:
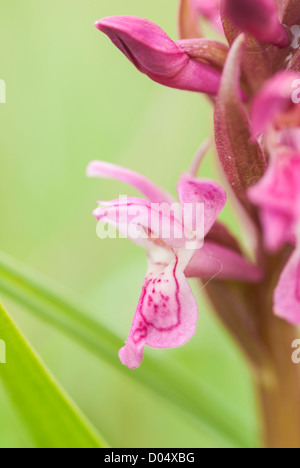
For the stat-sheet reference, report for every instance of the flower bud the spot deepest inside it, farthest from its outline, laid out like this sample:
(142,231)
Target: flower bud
(153,53)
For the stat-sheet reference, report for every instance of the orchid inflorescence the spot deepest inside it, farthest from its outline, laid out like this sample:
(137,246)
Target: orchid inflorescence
(250,75)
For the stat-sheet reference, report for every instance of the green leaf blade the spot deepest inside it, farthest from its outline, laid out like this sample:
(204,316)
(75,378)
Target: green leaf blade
(52,418)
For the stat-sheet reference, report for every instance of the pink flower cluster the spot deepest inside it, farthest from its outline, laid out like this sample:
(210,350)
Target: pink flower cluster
(252,76)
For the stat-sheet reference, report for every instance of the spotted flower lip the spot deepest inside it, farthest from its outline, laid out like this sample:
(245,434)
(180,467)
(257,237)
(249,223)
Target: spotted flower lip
(167,312)
(154,53)
(259,18)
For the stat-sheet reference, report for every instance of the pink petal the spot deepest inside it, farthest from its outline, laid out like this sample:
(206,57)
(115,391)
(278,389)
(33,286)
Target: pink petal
(144,223)
(144,43)
(166,315)
(259,18)
(289,138)
(106,170)
(287,293)
(196,76)
(278,196)
(278,227)
(216,261)
(152,52)
(274,98)
(195,192)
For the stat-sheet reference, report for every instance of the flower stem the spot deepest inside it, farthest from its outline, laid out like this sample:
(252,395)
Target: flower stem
(247,312)
(279,398)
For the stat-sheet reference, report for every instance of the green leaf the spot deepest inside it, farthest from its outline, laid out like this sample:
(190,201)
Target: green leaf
(222,420)
(51,417)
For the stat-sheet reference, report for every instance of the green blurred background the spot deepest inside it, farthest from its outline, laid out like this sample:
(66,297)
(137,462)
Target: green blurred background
(71,98)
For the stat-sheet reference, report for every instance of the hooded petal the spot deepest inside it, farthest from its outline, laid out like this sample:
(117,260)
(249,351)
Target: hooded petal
(274,98)
(152,52)
(278,196)
(105,170)
(144,43)
(289,139)
(166,315)
(193,193)
(145,223)
(259,18)
(287,293)
(216,261)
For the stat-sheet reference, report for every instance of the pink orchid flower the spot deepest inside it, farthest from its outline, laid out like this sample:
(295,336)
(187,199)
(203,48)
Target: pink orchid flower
(153,53)
(259,18)
(167,311)
(276,106)
(277,119)
(278,196)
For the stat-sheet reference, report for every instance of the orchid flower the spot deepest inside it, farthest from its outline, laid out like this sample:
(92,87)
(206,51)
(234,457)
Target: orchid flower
(259,18)
(167,312)
(154,53)
(276,119)
(275,112)
(278,196)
